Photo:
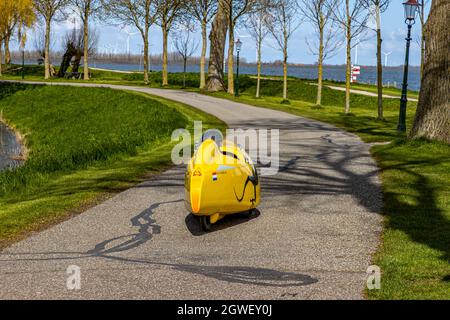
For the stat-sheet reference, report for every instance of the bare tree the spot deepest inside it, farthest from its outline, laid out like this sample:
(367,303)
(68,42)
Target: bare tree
(73,44)
(352,17)
(203,11)
(376,7)
(320,13)
(217,38)
(139,13)
(282,25)
(432,118)
(85,9)
(39,42)
(235,9)
(168,11)
(185,46)
(1,54)
(256,24)
(48,10)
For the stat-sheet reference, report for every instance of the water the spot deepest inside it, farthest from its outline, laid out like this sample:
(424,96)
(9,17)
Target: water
(10,148)
(392,76)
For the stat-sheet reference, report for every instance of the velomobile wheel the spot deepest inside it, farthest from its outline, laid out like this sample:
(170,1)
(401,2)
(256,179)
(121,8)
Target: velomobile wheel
(252,213)
(205,223)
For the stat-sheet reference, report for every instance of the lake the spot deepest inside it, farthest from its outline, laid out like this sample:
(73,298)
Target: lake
(392,76)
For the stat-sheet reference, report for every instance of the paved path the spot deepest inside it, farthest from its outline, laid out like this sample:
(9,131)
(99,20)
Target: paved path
(368,93)
(319,225)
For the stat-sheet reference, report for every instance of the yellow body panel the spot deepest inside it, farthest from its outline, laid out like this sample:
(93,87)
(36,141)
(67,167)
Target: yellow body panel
(221,180)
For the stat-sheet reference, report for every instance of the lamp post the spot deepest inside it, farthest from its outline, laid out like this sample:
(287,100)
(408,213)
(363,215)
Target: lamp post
(238,49)
(410,7)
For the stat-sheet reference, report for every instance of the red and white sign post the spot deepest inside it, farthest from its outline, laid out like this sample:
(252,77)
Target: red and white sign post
(356,71)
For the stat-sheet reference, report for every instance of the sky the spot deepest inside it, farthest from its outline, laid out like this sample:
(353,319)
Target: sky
(114,39)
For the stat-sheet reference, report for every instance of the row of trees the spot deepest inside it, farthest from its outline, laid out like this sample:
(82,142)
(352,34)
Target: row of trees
(336,23)
(141,14)
(280,18)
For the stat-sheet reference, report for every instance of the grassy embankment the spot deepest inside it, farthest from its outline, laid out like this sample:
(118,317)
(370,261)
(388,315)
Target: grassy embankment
(85,144)
(415,252)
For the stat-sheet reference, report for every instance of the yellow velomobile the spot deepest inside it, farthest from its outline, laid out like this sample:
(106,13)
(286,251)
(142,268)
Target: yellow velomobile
(221,179)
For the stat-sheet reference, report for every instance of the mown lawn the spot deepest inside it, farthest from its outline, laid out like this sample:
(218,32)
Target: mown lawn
(415,253)
(85,144)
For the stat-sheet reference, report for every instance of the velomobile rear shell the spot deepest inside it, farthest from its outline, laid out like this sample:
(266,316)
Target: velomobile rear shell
(221,180)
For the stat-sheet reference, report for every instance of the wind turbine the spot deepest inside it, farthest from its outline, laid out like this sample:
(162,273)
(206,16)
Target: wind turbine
(108,49)
(386,54)
(129,35)
(356,51)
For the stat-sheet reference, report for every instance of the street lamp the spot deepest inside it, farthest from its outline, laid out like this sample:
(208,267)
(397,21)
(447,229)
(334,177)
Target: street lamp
(411,7)
(238,44)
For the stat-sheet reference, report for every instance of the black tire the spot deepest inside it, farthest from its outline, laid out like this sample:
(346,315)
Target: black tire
(205,223)
(252,213)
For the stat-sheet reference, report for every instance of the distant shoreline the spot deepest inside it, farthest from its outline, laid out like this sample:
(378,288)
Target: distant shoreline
(392,76)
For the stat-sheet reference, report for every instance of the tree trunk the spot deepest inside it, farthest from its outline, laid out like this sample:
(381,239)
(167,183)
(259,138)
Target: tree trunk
(217,38)
(285,83)
(76,62)
(422,38)
(184,72)
(7,51)
(47,49)
(203,56)
(349,63)
(379,65)
(165,80)
(1,55)
(230,89)
(432,118)
(422,55)
(145,39)
(258,80)
(320,63)
(347,78)
(86,45)
(65,63)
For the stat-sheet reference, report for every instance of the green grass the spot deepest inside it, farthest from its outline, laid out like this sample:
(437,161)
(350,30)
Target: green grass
(415,253)
(362,119)
(85,144)
(372,88)
(36,73)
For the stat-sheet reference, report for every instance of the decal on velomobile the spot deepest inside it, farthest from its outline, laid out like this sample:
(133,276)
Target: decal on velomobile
(221,179)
